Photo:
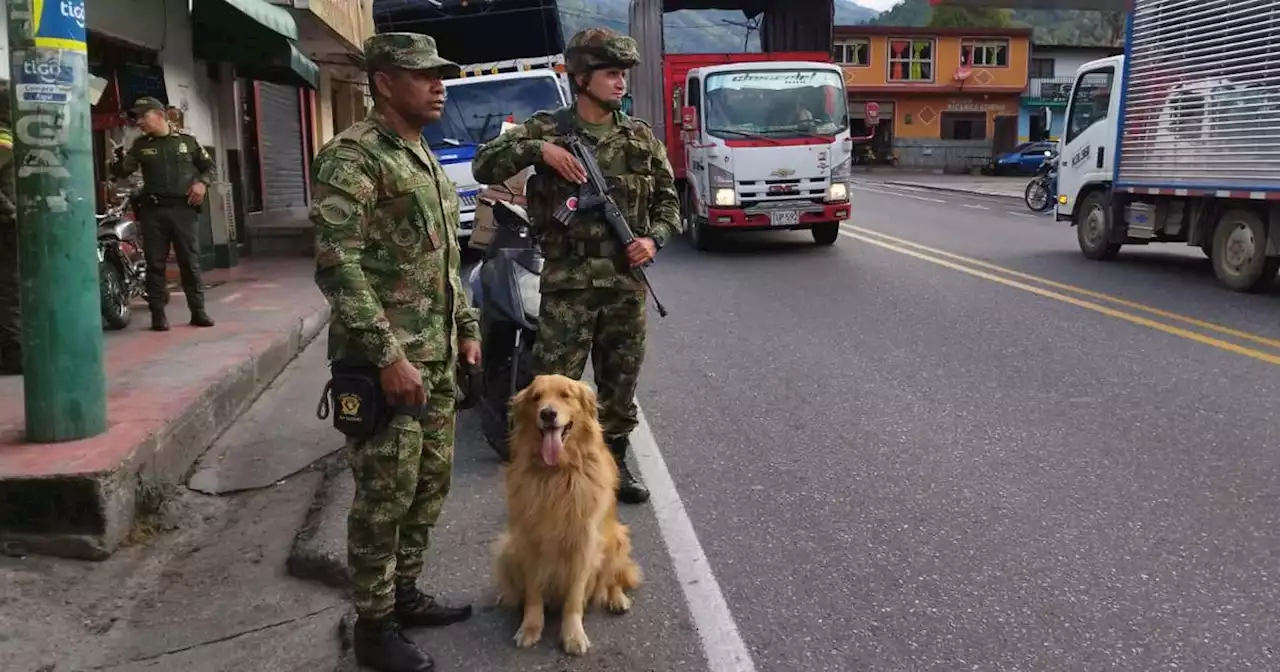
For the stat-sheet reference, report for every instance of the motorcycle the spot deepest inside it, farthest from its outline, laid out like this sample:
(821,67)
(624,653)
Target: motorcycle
(1039,195)
(505,291)
(122,268)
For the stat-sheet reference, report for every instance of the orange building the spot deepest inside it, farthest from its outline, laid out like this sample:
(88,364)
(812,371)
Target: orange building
(948,97)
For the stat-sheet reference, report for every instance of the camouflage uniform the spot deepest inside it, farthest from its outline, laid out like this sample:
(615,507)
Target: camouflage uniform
(170,164)
(388,260)
(10,283)
(591,300)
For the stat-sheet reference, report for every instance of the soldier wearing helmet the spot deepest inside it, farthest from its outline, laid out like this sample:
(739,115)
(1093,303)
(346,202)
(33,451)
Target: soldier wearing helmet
(592,302)
(10,301)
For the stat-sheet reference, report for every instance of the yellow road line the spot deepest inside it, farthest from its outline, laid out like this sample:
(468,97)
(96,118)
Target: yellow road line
(1244,335)
(1105,310)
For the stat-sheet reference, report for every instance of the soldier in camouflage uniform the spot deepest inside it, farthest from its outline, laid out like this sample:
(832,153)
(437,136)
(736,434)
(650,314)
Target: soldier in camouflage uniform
(10,289)
(388,260)
(592,301)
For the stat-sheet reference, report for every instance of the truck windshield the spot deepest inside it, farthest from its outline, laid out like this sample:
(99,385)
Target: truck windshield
(475,109)
(776,104)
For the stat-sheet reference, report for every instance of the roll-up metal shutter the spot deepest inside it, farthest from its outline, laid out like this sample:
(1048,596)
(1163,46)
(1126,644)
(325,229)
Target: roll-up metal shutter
(283,176)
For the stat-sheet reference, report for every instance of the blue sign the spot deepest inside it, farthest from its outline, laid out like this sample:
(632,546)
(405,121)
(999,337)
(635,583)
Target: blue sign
(60,24)
(44,78)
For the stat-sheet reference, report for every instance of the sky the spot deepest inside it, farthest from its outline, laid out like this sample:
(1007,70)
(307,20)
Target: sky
(878,5)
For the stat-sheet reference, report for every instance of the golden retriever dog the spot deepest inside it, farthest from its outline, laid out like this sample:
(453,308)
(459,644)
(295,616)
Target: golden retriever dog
(563,544)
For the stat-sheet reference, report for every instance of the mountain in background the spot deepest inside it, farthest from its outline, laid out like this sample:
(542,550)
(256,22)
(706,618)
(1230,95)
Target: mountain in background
(715,31)
(707,31)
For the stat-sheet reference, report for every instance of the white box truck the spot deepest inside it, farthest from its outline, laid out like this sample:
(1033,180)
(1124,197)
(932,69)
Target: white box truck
(1179,139)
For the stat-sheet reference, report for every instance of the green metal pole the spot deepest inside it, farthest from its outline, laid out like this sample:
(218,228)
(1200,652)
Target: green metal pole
(64,380)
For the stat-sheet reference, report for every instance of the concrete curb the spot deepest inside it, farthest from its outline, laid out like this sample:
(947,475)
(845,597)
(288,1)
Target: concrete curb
(319,550)
(954,190)
(111,497)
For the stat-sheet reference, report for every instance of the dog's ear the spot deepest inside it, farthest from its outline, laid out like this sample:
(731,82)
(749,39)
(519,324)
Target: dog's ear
(587,397)
(521,396)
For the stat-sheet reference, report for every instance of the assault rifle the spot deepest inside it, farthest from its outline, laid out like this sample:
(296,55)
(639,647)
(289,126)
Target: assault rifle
(594,195)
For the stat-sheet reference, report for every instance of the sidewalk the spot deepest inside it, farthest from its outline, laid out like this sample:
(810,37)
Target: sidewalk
(1003,187)
(169,397)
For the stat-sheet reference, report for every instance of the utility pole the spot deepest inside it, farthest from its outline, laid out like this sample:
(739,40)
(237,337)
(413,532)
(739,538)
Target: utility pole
(64,381)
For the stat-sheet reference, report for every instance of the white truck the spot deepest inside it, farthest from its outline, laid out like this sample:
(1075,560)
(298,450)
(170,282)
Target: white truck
(478,103)
(1179,139)
(763,144)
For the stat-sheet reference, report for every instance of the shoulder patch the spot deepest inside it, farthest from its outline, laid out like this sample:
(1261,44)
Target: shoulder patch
(344,152)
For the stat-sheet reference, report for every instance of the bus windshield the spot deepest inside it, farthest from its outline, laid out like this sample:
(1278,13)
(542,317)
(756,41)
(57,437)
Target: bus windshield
(475,109)
(776,104)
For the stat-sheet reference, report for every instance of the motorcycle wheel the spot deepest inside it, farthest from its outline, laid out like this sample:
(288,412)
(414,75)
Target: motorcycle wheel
(116,312)
(1036,195)
(497,389)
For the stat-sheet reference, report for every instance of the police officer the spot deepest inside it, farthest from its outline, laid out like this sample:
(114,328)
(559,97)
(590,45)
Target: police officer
(10,289)
(591,299)
(388,260)
(176,172)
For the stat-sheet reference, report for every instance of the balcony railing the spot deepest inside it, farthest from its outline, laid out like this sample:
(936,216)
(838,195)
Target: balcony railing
(1049,89)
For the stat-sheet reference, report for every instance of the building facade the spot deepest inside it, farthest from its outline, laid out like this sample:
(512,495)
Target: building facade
(948,98)
(1050,76)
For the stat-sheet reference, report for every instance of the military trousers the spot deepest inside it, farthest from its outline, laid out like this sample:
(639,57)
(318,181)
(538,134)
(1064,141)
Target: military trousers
(402,477)
(607,323)
(173,225)
(10,291)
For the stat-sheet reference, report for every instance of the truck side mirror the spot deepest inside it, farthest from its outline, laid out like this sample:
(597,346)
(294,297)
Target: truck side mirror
(689,118)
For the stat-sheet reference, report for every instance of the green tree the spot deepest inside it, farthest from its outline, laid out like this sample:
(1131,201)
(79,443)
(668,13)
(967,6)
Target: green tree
(966,17)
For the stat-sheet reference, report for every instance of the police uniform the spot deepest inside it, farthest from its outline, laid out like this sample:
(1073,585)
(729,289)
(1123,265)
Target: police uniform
(592,302)
(10,285)
(170,164)
(388,260)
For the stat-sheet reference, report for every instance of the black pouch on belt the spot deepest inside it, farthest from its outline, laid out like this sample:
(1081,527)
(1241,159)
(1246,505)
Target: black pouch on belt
(354,395)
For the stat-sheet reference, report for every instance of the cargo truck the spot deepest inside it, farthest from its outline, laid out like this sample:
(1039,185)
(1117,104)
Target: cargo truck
(1178,140)
(757,141)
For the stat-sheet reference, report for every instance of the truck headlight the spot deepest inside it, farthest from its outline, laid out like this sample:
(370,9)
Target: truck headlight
(838,191)
(840,174)
(529,285)
(725,198)
(719,177)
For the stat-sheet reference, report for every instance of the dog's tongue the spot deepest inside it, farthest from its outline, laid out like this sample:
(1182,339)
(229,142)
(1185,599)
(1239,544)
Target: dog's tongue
(552,445)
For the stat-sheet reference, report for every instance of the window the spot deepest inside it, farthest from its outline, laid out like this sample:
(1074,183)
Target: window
(1041,68)
(855,52)
(911,60)
(964,125)
(984,53)
(1089,101)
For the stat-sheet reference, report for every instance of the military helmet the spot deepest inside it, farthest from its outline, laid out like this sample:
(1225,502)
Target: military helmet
(600,48)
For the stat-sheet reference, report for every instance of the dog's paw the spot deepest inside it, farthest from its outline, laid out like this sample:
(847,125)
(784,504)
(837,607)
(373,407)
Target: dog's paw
(528,635)
(575,641)
(619,603)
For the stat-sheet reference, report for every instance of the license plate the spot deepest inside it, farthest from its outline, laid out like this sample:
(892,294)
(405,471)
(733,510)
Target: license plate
(785,218)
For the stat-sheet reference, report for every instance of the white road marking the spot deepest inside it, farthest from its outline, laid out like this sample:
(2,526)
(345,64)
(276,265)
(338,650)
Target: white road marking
(229,298)
(975,206)
(721,644)
(898,193)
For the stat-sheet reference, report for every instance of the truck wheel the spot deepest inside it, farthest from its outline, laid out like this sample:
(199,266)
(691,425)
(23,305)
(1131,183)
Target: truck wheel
(1239,252)
(826,233)
(1093,228)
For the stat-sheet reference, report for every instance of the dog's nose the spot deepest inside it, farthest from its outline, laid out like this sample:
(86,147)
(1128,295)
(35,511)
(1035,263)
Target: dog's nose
(548,415)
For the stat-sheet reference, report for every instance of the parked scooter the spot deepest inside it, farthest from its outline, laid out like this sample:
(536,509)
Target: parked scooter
(1041,191)
(122,268)
(505,290)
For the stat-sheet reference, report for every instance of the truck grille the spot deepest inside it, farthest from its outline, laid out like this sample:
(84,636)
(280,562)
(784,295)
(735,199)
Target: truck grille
(468,201)
(753,192)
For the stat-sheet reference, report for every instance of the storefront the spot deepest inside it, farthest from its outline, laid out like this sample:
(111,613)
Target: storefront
(953,132)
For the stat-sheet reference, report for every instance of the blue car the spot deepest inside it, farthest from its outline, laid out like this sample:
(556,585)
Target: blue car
(1023,160)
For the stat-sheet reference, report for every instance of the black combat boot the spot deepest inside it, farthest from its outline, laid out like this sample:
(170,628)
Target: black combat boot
(416,609)
(199,318)
(158,320)
(630,489)
(380,646)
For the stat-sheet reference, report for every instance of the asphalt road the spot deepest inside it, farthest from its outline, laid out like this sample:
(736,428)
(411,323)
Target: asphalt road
(947,442)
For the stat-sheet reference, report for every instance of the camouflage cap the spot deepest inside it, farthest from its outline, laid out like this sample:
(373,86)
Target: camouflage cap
(146,104)
(595,48)
(409,51)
